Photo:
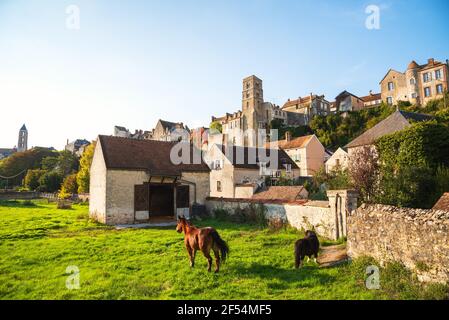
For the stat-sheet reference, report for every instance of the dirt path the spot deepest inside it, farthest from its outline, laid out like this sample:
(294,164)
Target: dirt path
(332,255)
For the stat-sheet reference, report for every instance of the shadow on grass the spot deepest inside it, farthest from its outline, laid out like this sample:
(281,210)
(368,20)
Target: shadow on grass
(20,204)
(282,278)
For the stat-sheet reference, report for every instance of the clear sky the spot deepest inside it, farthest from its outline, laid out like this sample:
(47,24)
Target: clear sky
(133,62)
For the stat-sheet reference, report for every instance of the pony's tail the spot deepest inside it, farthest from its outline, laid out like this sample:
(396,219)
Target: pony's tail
(221,244)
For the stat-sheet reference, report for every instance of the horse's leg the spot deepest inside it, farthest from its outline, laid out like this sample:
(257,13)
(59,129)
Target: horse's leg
(217,260)
(192,258)
(206,253)
(190,251)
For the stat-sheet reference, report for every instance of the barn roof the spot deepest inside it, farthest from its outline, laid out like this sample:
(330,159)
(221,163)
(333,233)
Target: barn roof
(397,121)
(149,155)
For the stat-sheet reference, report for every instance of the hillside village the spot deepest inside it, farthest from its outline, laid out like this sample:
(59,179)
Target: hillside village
(398,155)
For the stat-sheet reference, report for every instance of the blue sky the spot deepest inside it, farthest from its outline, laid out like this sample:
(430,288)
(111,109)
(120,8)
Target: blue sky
(133,62)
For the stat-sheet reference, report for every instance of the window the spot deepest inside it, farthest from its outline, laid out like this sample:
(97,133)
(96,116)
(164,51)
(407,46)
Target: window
(337,162)
(438,74)
(427,92)
(412,81)
(414,95)
(390,86)
(427,77)
(218,186)
(439,89)
(389,100)
(288,168)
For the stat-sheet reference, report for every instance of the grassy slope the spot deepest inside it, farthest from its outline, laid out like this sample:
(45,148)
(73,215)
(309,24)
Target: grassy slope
(38,243)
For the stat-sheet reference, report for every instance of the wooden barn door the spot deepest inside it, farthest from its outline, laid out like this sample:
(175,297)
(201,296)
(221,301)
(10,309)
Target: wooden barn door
(141,201)
(161,200)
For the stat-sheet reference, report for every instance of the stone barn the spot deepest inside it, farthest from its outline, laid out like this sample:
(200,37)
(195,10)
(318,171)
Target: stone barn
(135,181)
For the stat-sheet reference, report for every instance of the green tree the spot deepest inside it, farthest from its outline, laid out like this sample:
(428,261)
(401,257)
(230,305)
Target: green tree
(83,176)
(69,186)
(216,126)
(50,181)
(32,178)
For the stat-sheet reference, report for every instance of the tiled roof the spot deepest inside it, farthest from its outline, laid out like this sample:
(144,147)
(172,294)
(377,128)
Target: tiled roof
(252,156)
(443,203)
(372,97)
(294,143)
(291,103)
(148,155)
(397,121)
(287,193)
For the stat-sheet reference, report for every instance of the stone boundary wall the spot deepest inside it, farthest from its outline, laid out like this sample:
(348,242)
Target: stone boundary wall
(16,195)
(417,238)
(299,214)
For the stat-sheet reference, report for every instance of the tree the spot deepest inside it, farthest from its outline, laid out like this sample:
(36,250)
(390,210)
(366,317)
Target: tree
(22,162)
(364,172)
(32,178)
(67,163)
(83,176)
(50,182)
(216,126)
(69,186)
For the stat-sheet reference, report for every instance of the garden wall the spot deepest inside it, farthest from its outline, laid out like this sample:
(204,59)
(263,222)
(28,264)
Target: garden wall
(299,214)
(417,238)
(16,195)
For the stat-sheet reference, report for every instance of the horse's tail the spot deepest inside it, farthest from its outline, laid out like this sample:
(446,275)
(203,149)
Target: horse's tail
(221,244)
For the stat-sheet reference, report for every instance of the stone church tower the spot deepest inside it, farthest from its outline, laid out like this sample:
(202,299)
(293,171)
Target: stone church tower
(254,115)
(22,145)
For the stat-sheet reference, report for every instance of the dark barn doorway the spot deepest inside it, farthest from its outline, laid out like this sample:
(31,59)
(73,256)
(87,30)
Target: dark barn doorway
(161,200)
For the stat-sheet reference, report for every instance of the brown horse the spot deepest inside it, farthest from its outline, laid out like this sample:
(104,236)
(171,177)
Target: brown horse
(204,239)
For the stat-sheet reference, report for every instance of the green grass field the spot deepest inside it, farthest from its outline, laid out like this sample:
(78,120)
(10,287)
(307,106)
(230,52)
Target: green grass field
(38,243)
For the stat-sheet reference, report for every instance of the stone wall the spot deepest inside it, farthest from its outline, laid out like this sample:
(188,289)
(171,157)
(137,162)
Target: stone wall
(299,214)
(417,238)
(15,195)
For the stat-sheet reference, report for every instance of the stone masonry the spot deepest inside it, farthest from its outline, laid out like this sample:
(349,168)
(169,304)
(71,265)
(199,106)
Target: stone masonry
(417,238)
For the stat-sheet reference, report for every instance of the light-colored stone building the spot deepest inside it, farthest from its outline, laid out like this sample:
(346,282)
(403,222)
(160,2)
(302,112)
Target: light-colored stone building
(170,131)
(307,152)
(418,84)
(237,172)
(338,161)
(134,181)
(308,106)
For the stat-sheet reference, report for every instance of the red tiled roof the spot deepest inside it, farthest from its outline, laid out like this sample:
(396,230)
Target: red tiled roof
(291,103)
(287,193)
(371,97)
(299,142)
(148,155)
(443,203)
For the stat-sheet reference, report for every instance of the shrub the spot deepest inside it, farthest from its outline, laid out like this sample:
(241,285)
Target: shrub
(50,182)
(64,204)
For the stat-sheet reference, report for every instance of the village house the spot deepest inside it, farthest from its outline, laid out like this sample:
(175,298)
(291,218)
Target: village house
(238,172)
(308,106)
(397,121)
(418,84)
(338,161)
(6,152)
(347,101)
(134,181)
(372,100)
(170,131)
(123,132)
(77,147)
(307,152)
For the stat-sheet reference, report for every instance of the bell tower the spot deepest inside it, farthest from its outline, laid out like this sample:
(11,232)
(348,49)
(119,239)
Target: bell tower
(252,108)
(22,145)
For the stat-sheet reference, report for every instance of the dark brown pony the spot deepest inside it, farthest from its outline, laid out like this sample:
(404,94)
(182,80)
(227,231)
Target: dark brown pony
(204,239)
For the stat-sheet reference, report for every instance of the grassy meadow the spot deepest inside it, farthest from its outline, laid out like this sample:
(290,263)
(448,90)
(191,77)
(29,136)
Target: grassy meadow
(38,242)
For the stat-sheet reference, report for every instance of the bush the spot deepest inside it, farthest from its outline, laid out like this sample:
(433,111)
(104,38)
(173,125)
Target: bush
(64,204)
(32,178)
(50,182)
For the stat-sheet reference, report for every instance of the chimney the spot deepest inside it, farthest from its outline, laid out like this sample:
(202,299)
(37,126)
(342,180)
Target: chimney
(288,136)
(431,61)
(371,92)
